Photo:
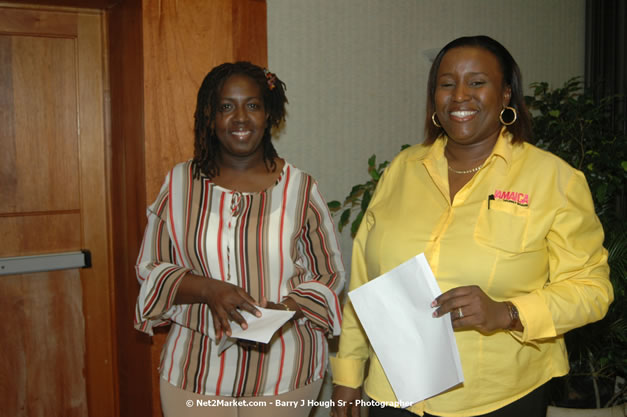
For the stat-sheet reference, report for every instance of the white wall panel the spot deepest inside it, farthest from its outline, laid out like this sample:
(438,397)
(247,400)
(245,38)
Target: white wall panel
(356,70)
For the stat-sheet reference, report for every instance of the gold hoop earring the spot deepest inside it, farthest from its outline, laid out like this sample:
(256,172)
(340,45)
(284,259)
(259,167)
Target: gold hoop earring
(514,117)
(433,120)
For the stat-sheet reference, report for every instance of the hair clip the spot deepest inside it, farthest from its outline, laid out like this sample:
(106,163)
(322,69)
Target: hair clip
(270,78)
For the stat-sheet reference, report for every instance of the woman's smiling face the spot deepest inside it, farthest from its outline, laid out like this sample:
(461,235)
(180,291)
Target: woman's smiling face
(240,118)
(470,95)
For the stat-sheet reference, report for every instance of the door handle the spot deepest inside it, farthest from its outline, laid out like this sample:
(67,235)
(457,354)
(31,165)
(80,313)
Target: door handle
(44,263)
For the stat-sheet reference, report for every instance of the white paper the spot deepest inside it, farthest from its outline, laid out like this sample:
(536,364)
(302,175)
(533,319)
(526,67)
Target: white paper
(418,352)
(260,329)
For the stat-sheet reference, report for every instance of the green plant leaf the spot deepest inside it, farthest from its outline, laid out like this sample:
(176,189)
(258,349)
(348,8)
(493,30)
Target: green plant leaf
(365,200)
(372,160)
(601,192)
(344,218)
(356,223)
(355,193)
(334,205)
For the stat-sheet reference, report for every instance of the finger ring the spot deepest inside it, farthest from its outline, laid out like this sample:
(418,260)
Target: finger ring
(460,313)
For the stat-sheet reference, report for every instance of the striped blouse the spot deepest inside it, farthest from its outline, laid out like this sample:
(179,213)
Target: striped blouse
(273,243)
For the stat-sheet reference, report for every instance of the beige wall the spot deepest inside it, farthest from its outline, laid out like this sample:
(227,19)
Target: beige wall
(356,70)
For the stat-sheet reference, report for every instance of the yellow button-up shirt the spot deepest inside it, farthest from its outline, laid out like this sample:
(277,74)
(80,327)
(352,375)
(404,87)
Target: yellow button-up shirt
(523,229)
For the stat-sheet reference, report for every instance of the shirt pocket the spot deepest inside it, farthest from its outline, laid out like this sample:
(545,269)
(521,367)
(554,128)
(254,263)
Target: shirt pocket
(502,226)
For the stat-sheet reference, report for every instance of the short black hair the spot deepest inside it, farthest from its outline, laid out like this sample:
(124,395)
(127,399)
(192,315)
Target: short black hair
(206,144)
(521,129)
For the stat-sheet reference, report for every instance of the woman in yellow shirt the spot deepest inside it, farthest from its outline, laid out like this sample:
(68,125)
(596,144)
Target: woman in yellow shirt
(509,231)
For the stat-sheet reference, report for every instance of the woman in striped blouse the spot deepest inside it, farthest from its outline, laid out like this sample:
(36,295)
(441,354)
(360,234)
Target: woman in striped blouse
(235,228)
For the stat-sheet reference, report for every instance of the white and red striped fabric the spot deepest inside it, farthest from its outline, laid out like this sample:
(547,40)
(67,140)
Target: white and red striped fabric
(273,243)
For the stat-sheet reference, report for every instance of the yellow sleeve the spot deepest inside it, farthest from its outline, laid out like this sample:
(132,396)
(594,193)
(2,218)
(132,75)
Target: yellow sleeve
(579,290)
(348,367)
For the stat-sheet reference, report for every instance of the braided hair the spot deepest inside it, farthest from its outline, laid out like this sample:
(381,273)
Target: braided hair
(206,143)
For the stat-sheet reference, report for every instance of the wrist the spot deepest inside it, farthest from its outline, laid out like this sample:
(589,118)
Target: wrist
(285,306)
(514,317)
(206,288)
(192,289)
(290,305)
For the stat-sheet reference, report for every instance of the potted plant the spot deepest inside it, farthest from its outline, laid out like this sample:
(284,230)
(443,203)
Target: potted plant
(570,123)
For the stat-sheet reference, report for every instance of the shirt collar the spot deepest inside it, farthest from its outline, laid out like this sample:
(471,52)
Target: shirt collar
(436,150)
(502,147)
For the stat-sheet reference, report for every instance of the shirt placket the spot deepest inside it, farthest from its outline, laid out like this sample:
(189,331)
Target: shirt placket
(235,209)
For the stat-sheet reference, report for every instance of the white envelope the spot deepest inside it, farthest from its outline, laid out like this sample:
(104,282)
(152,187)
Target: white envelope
(260,329)
(418,352)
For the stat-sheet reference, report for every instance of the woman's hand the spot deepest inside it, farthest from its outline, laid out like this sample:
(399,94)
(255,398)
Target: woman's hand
(344,401)
(287,302)
(247,344)
(470,307)
(225,300)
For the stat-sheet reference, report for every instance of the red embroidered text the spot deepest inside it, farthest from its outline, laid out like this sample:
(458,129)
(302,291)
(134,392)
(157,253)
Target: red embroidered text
(522,199)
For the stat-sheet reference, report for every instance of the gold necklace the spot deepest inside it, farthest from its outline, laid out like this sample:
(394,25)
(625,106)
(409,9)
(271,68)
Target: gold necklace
(466,171)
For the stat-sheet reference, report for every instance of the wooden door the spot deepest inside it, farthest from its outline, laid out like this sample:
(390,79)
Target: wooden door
(57,356)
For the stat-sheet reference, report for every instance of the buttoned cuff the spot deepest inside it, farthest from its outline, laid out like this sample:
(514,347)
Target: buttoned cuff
(348,372)
(535,317)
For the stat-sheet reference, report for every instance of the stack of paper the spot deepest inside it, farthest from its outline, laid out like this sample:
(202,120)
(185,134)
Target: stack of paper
(418,352)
